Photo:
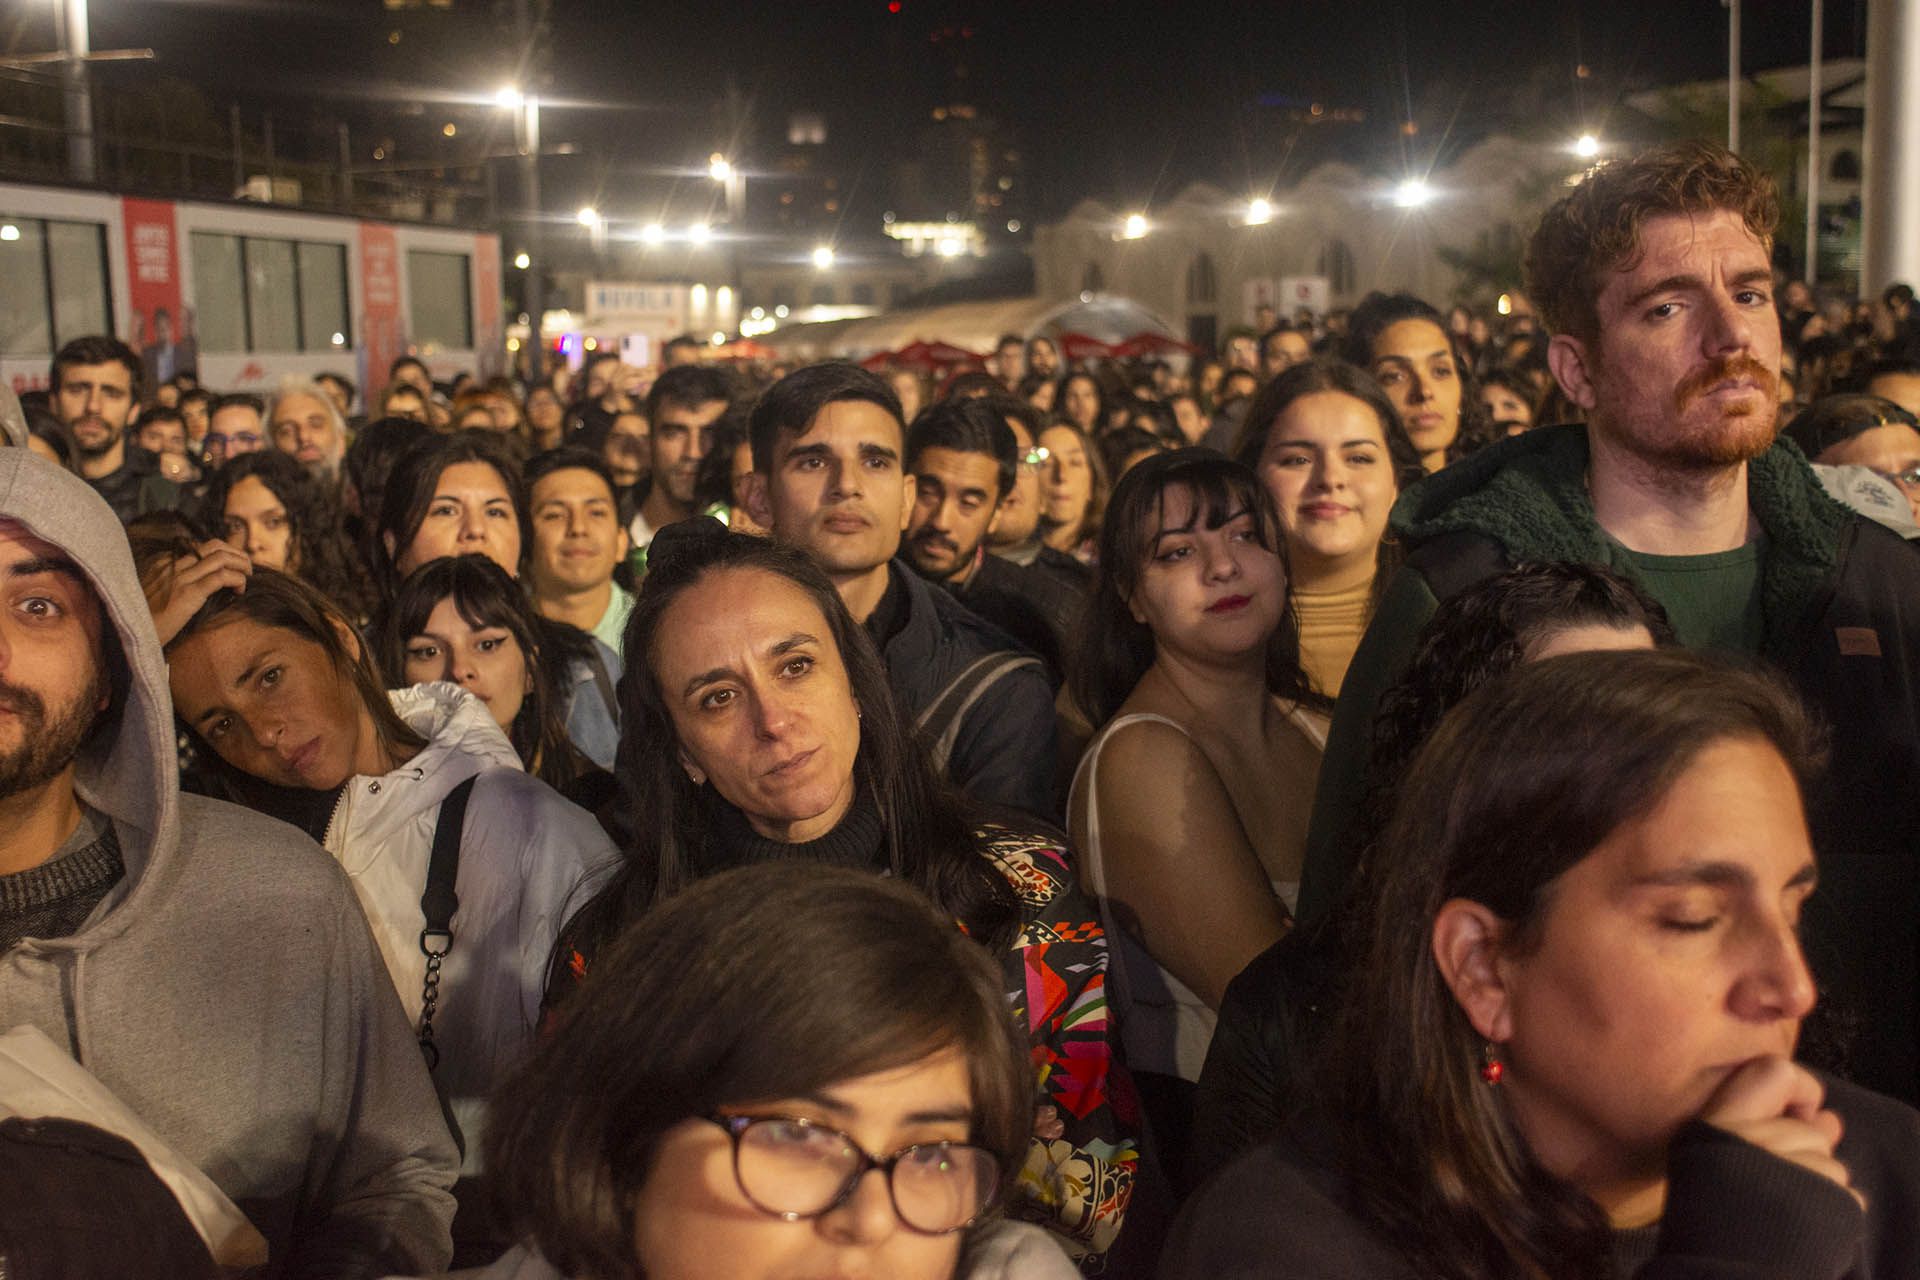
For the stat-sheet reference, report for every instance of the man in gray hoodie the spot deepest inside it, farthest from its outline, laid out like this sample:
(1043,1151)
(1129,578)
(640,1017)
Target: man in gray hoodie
(209,965)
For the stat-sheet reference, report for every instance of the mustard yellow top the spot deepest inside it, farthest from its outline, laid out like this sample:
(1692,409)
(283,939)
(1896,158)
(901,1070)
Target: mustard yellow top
(1330,627)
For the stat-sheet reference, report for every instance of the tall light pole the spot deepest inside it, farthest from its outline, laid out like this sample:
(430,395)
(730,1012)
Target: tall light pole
(1816,115)
(76,45)
(1889,235)
(1733,74)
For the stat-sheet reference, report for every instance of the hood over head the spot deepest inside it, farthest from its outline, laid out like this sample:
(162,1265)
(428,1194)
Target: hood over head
(13,419)
(128,768)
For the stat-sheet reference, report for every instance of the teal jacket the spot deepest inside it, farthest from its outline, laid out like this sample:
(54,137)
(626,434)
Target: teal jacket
(1840,601)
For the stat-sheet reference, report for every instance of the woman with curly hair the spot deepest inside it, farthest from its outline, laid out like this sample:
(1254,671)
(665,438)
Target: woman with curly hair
(266,505)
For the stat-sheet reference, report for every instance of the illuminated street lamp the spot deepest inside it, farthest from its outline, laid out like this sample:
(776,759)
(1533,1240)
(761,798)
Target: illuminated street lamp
(1586,146)
(822,257)
(522,260)
(718,168)
(588,216)
(1135,226)
(1413,193)
(700,233)
(652,233)
(509,98)
(1259,212)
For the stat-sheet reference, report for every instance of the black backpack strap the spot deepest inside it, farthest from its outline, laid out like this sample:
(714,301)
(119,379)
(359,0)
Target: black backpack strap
(939,725)
(438,904)
(603,681)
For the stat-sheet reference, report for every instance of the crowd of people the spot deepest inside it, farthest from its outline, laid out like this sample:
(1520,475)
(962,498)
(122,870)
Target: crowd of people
(1422,794)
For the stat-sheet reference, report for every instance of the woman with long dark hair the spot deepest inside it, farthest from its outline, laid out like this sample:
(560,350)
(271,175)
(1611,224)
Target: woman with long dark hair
(1278,1012)
(1403,342)
(1328,445)
(462,619)
(757,725)
(1569,1049)
(460,495)
(283,700)
(268,506)
(1189,808)
(1073,489)
(708,1107)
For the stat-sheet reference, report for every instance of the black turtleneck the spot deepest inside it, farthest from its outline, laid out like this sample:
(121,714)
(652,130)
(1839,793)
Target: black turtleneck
(857,840)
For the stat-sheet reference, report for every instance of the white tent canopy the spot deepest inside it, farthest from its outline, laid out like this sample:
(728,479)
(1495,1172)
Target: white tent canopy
(977,326)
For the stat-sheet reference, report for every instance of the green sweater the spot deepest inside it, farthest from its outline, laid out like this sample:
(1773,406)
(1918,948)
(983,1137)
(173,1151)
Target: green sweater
(1528,494)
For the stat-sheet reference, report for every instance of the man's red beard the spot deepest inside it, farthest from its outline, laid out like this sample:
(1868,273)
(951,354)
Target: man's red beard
(1742,431)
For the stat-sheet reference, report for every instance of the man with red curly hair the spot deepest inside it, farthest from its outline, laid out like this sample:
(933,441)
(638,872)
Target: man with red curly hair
(1655,279)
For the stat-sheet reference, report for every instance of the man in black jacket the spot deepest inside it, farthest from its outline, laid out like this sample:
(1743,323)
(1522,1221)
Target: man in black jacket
(962,455)
(828,445)
(1655,278)
(96,384)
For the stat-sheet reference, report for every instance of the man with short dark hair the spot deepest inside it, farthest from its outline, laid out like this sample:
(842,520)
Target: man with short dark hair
(96,384)
(1655,280)
(681,351)
(965,462)
(1010,360)
(236,425)
(412,370)
(683,407)
(162,432)
(576,543)
(341,391)
(1281,348)
(1895,378)
(210,967)
(828,448)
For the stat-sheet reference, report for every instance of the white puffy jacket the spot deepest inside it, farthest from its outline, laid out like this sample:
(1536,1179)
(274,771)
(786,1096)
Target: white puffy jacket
(527,858)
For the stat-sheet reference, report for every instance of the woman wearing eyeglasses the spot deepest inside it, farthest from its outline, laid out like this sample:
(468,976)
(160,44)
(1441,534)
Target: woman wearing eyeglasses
(784,1070)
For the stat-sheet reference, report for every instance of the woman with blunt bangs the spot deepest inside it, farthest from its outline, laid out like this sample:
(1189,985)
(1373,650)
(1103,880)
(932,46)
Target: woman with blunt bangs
(461,495)
(714,1099)
(758,726)
(278,691)
(1189,808)
(462,619)
(1569,1050)
(268,506)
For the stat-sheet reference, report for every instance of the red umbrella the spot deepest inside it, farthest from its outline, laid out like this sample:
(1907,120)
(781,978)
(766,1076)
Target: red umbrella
(931,357)
(877,361)
(1078,346)
(1153,344)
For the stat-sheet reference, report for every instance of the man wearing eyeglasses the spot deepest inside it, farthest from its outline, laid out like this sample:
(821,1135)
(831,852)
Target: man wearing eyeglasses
(235,426)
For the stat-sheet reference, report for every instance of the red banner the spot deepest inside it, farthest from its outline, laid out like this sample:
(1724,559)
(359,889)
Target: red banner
(489,340)
(382,334)
(156,327)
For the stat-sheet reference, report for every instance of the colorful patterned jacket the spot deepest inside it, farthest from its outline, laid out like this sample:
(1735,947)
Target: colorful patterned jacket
(1085,1151)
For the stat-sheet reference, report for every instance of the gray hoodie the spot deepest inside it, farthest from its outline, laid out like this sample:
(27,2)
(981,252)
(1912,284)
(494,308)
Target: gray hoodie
(227,989)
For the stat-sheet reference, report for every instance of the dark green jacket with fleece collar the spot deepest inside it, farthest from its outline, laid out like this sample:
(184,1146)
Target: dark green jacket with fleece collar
(1840,601)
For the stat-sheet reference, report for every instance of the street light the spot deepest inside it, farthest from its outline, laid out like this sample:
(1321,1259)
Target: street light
(1586,146)
(509,98)
(1135,226)
(522,260)
(822,257)
(1259,212)
(588,216)
(717,167)
(652,233)
(699,233)
(1413,193)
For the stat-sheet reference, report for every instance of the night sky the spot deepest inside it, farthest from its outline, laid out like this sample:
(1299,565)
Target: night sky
(1127,101)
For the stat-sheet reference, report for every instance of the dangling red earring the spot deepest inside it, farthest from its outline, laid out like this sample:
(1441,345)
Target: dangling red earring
(1492,1070)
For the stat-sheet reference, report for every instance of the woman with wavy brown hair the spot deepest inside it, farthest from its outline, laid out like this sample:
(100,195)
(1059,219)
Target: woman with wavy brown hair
(1568,1051)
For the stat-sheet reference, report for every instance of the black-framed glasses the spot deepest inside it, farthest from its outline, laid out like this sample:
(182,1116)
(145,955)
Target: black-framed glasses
(794,1169)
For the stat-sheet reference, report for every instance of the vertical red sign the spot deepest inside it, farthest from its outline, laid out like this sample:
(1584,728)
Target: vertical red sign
(488,341)
(157,328)
(382,337)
